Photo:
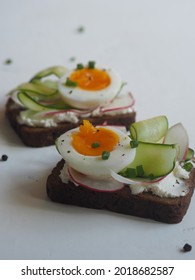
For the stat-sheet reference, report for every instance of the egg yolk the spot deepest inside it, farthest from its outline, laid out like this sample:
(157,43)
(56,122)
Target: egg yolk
(92,141)
(91,79)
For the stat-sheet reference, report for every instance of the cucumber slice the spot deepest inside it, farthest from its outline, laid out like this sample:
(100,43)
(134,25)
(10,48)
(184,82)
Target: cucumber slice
(190,154)
(150,130)
(57,71)
(40,89)
(29,102)
(49,83)
(44,98)
(152,160)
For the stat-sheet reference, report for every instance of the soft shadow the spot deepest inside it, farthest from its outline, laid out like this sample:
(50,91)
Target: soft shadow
(8,135)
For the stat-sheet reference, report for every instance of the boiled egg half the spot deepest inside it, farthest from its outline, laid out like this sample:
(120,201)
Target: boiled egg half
(89,86)
(95,151)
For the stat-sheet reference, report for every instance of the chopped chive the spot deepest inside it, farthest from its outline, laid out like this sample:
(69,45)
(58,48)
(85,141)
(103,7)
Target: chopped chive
(80,29)
(140,170)
(130,173)
(72,59)
(80,66)
(188,166)
(91,64)
(134,143)
(151,176)
(8,61)
(95,144)
(105,155)
(70,83)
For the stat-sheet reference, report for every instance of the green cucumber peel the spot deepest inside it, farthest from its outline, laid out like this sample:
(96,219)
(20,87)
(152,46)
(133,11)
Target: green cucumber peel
(150,130)
(39,89)
(57,71)
(48,83)
(190,154)
(30,103)
(152,160)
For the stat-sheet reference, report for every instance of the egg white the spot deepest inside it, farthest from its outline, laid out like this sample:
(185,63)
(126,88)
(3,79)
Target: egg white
(86,99)
(95,166)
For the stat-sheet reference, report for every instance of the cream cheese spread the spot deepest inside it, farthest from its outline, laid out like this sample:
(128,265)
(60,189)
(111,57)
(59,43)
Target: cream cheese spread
(44,121)
(72,117)
(173,185)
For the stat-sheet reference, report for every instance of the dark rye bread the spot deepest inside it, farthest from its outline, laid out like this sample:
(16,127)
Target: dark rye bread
(146,205)
(44,136)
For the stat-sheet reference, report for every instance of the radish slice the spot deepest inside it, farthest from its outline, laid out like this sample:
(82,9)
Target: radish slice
(95,184)
(121,102)
(178,135)
(129,181)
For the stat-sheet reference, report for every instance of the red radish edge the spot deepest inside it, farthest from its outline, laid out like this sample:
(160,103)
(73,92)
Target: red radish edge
(177,134)
(77,182)
(79,112)
(103,109)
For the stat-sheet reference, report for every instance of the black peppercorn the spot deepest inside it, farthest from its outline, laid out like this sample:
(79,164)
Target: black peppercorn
(4,157)
(187,247)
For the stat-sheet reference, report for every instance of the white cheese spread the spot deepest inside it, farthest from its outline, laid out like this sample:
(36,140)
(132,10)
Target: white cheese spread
(46,121)
(72,117)
(173,185)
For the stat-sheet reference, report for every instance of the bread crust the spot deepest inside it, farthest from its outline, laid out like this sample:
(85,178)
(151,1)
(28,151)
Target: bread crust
(46,136)
(145,205)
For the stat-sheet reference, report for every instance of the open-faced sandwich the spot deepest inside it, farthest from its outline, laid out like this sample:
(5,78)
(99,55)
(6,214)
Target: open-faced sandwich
(57,99)
(147,171)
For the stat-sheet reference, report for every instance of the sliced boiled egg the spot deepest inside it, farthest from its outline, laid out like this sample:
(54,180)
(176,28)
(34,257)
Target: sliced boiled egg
(95,151)
(89,86)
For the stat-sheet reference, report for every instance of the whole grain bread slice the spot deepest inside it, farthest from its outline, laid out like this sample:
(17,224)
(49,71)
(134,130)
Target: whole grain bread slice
(146,205)
(46,136)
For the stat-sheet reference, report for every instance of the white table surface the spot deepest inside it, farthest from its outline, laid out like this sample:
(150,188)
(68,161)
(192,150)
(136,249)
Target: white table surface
(152,45)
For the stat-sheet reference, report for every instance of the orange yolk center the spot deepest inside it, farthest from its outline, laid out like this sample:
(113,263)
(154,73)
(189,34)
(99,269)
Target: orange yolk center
(91,79)
(91,141)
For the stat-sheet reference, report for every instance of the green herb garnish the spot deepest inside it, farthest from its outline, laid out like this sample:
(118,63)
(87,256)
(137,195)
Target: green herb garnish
(72,59)
(70,83)
(151,176)
(8,61)
(188,166)
(130,173)
(134,143)
(80,29)
(80,66)
(95,145)
(91,64)
(105,155)
(140,170)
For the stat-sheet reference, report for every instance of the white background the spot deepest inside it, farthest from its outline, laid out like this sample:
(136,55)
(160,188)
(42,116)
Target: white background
(152,45)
